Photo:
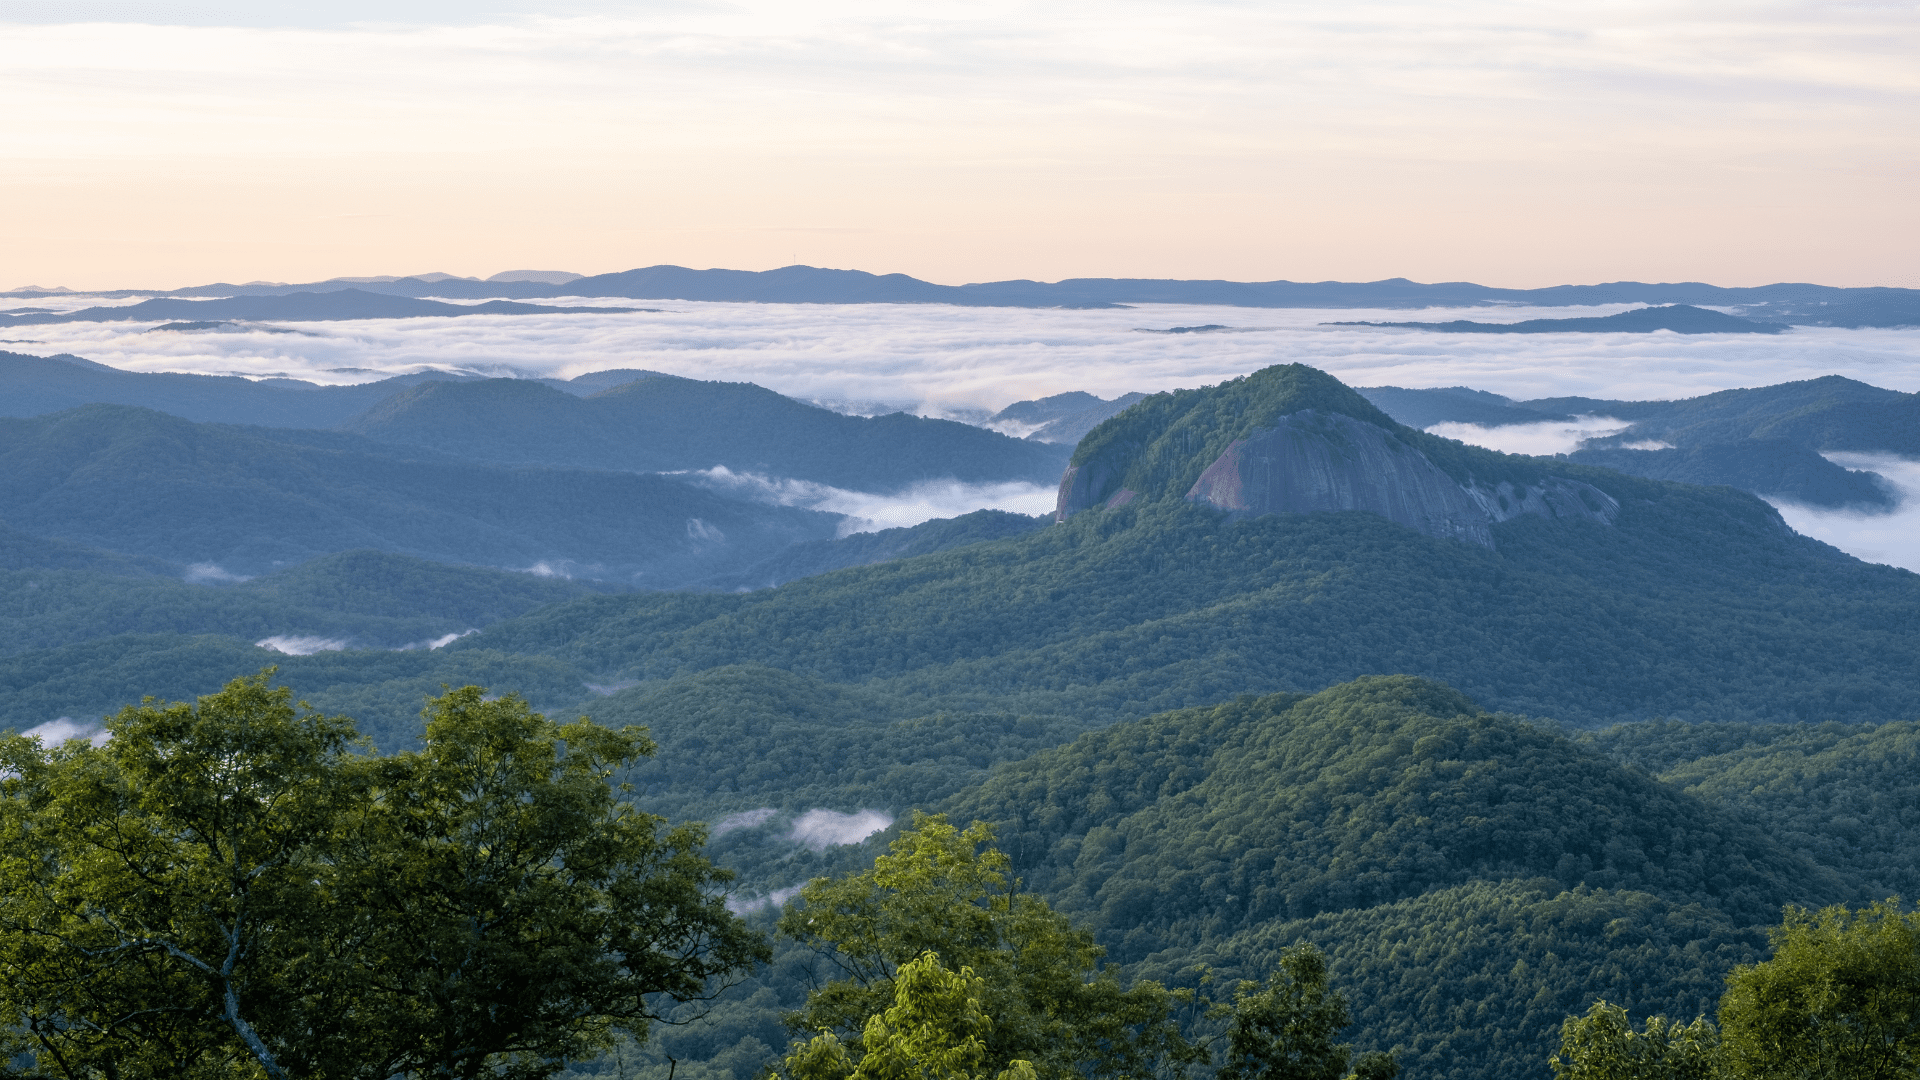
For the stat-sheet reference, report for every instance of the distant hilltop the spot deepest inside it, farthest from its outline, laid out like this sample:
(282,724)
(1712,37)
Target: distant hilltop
(1793,303)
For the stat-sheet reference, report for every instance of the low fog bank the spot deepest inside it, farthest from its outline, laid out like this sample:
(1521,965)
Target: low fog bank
(872,512)
(55,732)
(1545,438)
(968,363)
(1893,539)
(1890,538)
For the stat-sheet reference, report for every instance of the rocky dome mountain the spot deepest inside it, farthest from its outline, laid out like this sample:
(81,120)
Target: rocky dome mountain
(1293,439)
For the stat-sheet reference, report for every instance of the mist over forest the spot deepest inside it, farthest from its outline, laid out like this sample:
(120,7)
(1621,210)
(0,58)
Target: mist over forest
(1498,673)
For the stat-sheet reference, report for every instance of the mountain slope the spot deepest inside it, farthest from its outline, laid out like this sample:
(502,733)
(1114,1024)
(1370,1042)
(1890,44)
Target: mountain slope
(250,500)
(668,423)
(1401,828)
(363,599)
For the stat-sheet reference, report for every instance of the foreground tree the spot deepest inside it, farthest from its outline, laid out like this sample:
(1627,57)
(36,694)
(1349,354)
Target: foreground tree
(1037,977)
(1603,1045)
(230,889)
(1286,1030)
(934,1031)
(1840,998)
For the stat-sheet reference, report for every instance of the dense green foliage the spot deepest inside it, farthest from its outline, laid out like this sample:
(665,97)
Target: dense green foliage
(1839,998)
(1376,791)
(1777,468)
(255,499)
(384,690)
(865,549)
(1697,605)
(1285,1029)
(933,1031)
(363,599)
(938,893)
(224,889)
(664,423)
(1604,1045)
(1847,795)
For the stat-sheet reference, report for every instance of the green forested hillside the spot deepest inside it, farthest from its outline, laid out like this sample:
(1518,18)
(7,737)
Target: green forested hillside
(1846,794)
(253,500)
(1698,604)
(665,423)
(1379,790)
(382,689)
(362,599)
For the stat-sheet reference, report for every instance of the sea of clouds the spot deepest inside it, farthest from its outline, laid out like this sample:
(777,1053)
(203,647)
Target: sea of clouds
(967,363)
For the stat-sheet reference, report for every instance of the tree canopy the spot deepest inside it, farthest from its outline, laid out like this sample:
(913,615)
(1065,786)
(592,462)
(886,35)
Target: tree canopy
(229,888)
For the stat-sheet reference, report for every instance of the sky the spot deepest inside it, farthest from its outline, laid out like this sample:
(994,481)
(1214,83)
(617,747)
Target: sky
(1516,144)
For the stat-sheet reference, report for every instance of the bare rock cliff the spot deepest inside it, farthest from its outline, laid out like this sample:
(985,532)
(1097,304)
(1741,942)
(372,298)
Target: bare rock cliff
(1312,460)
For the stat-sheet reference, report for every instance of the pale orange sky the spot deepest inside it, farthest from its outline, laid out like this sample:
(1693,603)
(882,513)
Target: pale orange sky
(1516,144)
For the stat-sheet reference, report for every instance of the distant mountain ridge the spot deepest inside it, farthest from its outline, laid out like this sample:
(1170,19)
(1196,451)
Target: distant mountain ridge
(1679,318)
(251,500)
(1788,302)
(1768,440)
(667,423)
(337,305)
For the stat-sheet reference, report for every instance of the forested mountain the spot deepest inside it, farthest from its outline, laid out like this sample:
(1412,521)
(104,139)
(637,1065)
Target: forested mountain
(1678,318)
(336,305)
(1062,418)
(667,423)
(1404,831)
(37,385)
(68,594)
(1212,712)
(1767,440)
(250,500)
(1473,878)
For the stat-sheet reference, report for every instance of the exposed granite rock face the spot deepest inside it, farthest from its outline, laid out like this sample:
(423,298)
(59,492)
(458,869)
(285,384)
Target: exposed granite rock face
(1080,486)
(1557,497)
(1312,461)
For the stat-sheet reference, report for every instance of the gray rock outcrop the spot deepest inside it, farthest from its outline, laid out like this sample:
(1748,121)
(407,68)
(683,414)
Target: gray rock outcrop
(1313,461)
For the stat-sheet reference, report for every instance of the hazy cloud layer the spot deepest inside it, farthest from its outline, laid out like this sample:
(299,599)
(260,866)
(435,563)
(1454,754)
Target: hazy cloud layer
(1548,437)
(55,732)
(1883,538)
(938,359)
(745,819)
(869,512)
(822,829)
(299,645)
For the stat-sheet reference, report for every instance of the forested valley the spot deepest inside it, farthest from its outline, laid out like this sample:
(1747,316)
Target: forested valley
(1163,787)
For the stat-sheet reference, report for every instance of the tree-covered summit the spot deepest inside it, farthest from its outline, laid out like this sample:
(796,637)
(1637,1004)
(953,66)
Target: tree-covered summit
(1159,447)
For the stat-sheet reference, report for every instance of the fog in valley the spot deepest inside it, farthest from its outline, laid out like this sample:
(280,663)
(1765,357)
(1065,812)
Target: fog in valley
(967,363)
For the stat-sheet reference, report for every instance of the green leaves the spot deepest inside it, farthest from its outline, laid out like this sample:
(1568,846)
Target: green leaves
(1286,1029)
(228,889)
(940,891)
(1603,1045)
(1840,998)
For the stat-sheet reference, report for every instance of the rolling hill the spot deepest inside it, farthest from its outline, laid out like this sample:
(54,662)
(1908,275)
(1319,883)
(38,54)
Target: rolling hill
(666,423)
(251,500)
